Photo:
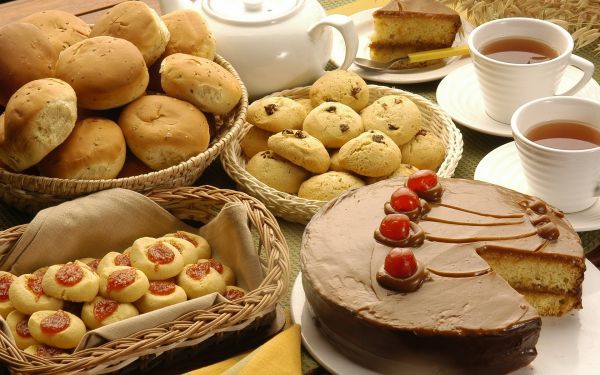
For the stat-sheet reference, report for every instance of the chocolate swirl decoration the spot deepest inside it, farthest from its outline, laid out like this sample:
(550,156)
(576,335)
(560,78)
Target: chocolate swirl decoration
(537,212)
(432,195)
(406,285)
(413,215)
(415,238)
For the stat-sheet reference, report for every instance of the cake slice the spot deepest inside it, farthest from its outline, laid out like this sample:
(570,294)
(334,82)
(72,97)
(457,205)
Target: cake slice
(405,26)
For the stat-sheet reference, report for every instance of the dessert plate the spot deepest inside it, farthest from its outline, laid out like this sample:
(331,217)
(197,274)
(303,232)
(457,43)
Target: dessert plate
(503,167)
(364,27)
(459,95)
(567,345)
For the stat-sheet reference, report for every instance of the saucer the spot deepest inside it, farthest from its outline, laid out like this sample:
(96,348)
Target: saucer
(503,167)
(459,95)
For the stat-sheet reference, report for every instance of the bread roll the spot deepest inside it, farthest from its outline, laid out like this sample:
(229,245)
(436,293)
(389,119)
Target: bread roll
(38,118)
(162,131)
(62,28)
(189,34)
(26,54)
(133,167)
(136,22)
(94,150)
(105,72)
(201,82)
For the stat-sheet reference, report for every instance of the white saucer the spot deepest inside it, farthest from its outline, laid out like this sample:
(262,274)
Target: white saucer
(364,27)
(458,94)
(567,345)
(503,167)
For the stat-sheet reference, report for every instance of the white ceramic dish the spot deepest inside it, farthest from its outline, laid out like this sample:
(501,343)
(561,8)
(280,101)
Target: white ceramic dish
(567,345)
(459,95)
(364,27)
(503,167)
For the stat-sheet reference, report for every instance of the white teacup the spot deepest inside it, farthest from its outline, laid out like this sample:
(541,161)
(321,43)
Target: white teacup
(505,86)
(566,178)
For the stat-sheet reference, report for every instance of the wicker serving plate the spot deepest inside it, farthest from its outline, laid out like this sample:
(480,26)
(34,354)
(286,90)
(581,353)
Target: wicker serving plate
(291,207)
(32,193)
(164,341)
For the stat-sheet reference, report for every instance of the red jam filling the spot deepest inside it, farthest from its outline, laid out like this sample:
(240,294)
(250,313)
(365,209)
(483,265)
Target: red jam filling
(93,264)
(69,274)
(198,271)
(186,237)
(104,308)
(232,294)
(55,323)
(22,328)
(216,265)
(34,283)
(48,351)
(160,254)
(120,279)
(162,288)
(5,282)
(122,260)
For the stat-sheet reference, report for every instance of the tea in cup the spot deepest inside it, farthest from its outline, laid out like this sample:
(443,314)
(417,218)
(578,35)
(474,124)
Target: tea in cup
(558,141)
(521,59)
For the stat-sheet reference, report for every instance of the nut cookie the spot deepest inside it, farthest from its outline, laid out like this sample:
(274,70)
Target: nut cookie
(276,113)
(371,154)
(306,103)
(333,124)
(300,148)
(398,117)
(255,141)
(334,162)
(424,151)
(340,86)
(326,186)
(276,172)
(403,170)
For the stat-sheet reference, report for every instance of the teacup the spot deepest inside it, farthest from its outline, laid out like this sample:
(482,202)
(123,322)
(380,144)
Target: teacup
(558,141)
(506,82)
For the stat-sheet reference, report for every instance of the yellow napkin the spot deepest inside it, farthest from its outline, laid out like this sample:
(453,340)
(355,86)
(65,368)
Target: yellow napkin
(278,356)
(357,6)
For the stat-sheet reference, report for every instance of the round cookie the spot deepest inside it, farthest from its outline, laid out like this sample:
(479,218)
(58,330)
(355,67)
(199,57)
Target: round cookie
(403,170)
(136,22)
(424,151)
(200,279)
(276,172)
(60,329)
(17,322)
(159,260)
(102,311)
(223,269)
(123,284)
(300,148)
(90,262)
(189,34)
(233,292)
(306,103)
(112,259)
(276,113)
(162,131)
(371,154)
(27,295)
(201,244)
(326,186)
(255,141)
(334,164)
(340,86)
(333,124)
(73,281)
(161,293)
(62,28)
(398,117)
(6,306)
(189,252)
(44,351)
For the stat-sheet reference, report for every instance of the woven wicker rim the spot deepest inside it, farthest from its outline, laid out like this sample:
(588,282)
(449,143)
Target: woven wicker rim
(48,191)
(300,210)
(194,203)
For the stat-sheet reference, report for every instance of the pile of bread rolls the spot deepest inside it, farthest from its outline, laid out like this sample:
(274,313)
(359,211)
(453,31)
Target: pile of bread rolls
(334,140)
(125,96)
(50,310)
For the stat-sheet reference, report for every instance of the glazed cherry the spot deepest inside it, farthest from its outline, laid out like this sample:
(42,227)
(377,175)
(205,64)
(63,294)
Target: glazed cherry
(400,263)
(422,180)
(404,200)
(395,227)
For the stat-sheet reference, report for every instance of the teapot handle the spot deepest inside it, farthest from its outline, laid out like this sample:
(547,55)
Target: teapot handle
(346,27)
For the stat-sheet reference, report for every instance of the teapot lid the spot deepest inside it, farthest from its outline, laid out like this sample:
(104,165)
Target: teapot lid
(250,11)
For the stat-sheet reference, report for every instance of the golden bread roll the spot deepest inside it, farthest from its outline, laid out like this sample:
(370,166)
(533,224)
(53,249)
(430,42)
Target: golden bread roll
(162,131)
(200,81)
(123,284)
(27,295)
(17,322)
(157,259)
(73,281)
(44,351)
(189,34)
(26,54)
(136,22)
(200,279)
(6,280)
(60,329)
(95,150)
(38,117)
(105,72)
(112,259)
(102,311)
(201,244)
(221,268)
(162,293)
(133,167)
(62,28)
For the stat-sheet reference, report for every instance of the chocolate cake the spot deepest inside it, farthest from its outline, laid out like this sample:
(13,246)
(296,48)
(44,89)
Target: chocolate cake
(472,241)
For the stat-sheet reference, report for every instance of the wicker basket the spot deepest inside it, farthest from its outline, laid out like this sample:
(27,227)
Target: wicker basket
(295,209)
(32,193)
(166,341)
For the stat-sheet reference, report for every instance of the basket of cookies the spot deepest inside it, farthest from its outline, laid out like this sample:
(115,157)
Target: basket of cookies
(86,289)
(304,146)
(135,100)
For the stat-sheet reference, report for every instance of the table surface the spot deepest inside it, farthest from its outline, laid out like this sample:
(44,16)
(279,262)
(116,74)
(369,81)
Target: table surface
(476,145)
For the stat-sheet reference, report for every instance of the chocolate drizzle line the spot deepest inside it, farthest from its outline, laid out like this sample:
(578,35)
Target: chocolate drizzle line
(481,213)
(479,239)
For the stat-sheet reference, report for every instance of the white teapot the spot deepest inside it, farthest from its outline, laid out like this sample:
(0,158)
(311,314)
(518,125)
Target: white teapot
(275,44)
